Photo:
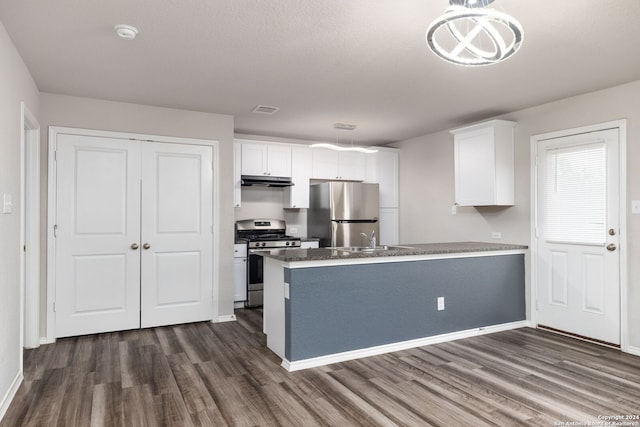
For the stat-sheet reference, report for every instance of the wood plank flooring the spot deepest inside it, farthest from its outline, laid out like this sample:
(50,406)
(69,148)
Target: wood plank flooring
(206,374)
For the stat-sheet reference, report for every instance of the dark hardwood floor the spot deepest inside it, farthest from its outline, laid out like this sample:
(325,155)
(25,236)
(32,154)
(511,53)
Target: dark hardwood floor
(208,374)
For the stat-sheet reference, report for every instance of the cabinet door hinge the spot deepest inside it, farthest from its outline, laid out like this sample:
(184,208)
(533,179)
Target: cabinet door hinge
(55,230)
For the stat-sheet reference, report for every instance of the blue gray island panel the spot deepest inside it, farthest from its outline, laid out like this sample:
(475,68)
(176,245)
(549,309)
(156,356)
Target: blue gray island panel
(333,309)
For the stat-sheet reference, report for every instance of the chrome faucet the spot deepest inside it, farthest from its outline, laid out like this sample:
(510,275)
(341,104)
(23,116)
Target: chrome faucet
(371,240)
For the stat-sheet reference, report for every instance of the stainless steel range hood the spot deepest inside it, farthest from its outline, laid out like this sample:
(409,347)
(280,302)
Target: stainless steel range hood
(266,181)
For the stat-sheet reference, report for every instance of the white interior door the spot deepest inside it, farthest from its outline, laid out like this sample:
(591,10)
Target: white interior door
(578,277)
(97,221)
(177,239)
(134,242)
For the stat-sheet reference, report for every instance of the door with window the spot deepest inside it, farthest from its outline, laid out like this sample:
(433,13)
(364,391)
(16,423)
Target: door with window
(578,262)
(133,237)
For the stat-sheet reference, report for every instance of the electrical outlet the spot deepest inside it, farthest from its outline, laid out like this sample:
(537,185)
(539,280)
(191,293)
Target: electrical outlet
(496,235)
(440,303)
(293,230)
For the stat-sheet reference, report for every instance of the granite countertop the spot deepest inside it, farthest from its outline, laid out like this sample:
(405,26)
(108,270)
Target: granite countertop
(325,254)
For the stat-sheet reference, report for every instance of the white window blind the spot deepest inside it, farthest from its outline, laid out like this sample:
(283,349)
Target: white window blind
(575,194)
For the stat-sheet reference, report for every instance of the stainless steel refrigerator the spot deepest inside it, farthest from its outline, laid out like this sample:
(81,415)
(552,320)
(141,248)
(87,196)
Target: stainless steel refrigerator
(339,212)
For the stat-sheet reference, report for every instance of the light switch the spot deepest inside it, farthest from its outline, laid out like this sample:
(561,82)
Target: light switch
(7,203)
(635,207)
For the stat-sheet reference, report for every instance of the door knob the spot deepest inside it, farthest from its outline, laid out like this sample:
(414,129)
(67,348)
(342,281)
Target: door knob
(134,246)
(146,246)
(611,247)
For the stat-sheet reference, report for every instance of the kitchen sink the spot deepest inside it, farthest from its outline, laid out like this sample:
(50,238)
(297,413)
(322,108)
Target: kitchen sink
(370,249)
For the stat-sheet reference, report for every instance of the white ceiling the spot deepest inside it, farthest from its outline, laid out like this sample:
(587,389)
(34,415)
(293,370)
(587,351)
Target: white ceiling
(352,61)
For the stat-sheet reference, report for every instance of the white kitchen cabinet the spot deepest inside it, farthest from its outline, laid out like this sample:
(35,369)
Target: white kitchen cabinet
(297,196)
(264,158)
(484,164)
(240,272)
(309,244)
(338,165)
(237,175)
(383,168)
(389,221)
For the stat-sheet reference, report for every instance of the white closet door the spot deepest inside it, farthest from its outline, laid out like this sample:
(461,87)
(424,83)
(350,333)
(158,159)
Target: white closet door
(177,239)
(98,220)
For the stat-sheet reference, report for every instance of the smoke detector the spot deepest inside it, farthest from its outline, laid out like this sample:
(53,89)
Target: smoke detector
(126,32)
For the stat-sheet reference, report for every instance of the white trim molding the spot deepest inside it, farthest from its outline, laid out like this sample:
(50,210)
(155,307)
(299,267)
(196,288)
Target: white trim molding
(633,350)
(227,318)
(314,362)
(29,228)
(10,394)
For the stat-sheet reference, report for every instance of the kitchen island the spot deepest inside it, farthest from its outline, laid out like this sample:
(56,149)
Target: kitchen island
(328,305)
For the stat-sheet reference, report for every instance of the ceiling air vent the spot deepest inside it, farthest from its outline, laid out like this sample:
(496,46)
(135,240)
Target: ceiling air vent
(344,126)
(265,109)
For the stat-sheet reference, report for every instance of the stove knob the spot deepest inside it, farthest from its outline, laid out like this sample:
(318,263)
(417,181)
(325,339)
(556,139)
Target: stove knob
(287,244)
(264,244)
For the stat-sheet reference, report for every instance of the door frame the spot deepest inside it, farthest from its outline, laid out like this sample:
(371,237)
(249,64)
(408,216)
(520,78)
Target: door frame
(54,131)
(621,125)
(29,229)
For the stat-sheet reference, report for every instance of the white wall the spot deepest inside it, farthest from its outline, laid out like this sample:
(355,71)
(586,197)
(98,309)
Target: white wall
(16,85)
(59,110)
(427,188)
(267,202)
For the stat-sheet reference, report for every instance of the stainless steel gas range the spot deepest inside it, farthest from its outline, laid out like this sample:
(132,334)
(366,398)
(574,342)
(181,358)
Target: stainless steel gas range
(261,235)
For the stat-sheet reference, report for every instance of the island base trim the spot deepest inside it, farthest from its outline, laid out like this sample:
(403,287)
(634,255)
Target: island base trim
(315,362)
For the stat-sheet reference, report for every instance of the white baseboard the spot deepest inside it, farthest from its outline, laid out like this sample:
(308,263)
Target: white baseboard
(633,350)
(403,345)
(10,394)
(227,318)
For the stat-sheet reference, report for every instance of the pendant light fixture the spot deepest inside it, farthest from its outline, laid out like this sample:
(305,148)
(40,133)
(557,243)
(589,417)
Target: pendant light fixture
(343,148)
(344,126)
(469,34)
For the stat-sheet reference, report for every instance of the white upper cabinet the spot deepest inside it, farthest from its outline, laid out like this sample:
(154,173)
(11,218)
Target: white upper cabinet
(484,164)
(297,196)
(338,165)
(383,168)
(263,158)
